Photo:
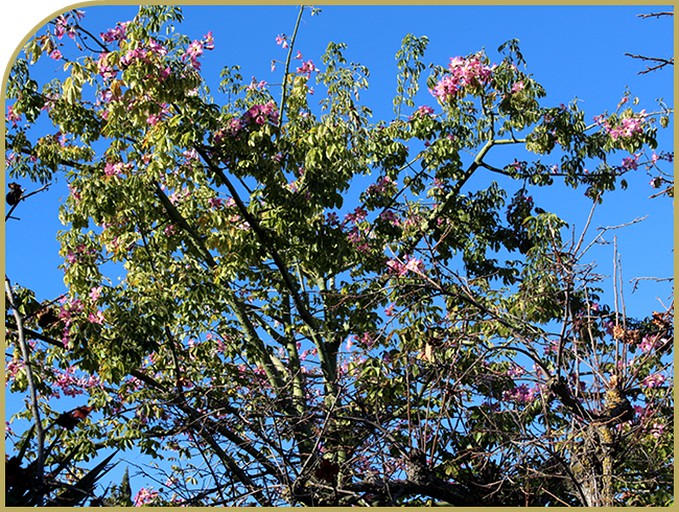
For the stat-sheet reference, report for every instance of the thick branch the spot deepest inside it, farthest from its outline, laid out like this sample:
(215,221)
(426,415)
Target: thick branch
(40,462)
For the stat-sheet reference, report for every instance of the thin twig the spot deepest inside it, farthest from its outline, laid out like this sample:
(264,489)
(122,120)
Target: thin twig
(287,67)
(656,14)
(23,198)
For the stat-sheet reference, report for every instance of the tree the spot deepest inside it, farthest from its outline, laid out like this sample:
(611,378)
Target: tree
(442,342)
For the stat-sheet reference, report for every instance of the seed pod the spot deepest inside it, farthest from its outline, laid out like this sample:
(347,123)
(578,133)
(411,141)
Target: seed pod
(47,318)
(14,194)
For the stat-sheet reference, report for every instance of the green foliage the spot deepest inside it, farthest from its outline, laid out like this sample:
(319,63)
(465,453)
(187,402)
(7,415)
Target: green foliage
(408,59)
(323,309)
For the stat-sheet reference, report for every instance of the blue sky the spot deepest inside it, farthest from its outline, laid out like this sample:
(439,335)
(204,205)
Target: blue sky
(572,51)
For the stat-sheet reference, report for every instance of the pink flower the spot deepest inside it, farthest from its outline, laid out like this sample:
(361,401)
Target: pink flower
(356,216)
(208,41)
(390,217)
(115,34)
(332,219)
(653,381)
(96,318)
(56,55)
(647,344)
(13,116)
(282,40)
(261,114)
(389,310)
(254,85)
(153,119)
(307,68)
(517,87)
(424,110)
(521,394)
(464,75)
(113,169)
(414,265)
(193,52)
(60,26)
(144,497)
(397,267)
(630,162)
(366,340)
(627,128)
(214,202)
(657,429)
(106,71)
(157,48)
(12,368)
(95,293)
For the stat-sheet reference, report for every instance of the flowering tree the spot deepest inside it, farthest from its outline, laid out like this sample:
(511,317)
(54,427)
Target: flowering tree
(437,338)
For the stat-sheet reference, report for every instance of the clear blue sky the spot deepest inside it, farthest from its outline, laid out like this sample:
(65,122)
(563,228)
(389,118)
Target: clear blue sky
(572,51)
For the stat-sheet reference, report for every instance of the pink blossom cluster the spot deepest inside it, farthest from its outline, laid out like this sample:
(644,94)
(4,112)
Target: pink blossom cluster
(116,33)
(116,169)
(63,25)
(390,217)
(411,265)
(648,343)
(282,41)
(69,309)
(196,49)
(80,252)
(356,216)
(215,202)
(657,429)
(255,85)
(630,162)
(261,114)
(13,116)
(305,354)
(144,497)
(307,68)
(654,381)
(358,240)
(384,184)
(463,74)
(521,394)
(154,118)
(71,385)
(627,128)
(367,340)
(518,87)
(144,53)
(232,128)
(12,368)
(423,111)
(105,70)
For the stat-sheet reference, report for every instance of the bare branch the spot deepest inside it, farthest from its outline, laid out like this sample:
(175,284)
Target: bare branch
(656,14)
